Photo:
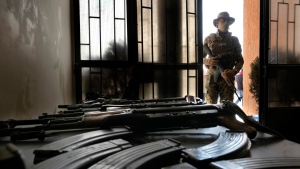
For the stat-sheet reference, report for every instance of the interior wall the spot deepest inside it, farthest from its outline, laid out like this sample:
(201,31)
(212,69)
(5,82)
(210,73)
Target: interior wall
(251,51)
(35,57)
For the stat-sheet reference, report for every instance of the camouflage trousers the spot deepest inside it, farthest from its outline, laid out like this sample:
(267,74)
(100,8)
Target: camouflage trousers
(216,89)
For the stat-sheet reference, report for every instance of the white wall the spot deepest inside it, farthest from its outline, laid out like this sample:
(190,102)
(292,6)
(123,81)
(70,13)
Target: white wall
(35,57)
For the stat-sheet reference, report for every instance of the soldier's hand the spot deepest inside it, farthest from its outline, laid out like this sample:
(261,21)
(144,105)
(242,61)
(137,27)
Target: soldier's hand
(228,75)
(211,61)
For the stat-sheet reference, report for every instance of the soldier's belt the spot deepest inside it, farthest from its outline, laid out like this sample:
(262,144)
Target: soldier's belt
(211,67)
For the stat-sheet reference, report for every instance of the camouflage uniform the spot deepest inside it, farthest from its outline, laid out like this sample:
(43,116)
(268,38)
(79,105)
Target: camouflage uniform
(229,50)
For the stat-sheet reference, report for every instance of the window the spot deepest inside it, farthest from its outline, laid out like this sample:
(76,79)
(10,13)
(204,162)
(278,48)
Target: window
(153,42)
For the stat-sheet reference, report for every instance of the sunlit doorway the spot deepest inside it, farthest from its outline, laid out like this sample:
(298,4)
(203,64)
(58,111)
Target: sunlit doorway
(211,9)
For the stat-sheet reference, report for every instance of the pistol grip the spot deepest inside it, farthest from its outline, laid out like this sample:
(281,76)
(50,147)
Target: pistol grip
(230,122)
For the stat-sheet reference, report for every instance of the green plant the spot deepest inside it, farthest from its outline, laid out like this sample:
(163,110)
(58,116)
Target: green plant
(254,77)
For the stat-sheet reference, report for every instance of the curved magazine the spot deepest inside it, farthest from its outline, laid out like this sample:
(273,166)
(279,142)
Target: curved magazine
(78,141)
(84,157)
(150,155)
(12,157)
(258,163)
(228,145)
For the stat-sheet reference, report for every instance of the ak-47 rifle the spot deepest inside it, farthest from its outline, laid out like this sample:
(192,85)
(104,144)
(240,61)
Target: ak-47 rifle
(221,70)
(105,102)
(197,116)
(72,118)
(129,104)
(12,123)
(154,119)
(36,128)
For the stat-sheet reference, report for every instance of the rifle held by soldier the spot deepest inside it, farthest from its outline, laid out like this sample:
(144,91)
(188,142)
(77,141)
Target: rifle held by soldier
(220,71)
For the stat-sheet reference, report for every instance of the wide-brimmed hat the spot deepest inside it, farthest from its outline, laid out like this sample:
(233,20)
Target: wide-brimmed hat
(223,15)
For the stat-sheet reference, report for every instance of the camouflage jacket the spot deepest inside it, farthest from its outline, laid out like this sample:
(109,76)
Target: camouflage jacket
(228,48)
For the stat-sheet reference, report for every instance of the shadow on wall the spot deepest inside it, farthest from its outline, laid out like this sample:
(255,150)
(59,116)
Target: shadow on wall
(112,81)
(36,62)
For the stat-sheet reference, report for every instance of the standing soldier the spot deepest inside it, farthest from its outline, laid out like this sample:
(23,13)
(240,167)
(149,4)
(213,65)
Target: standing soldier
(226,52)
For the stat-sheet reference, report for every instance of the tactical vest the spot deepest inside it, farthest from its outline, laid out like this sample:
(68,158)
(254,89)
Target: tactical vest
(223,47)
